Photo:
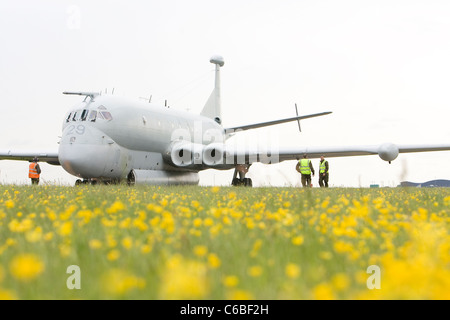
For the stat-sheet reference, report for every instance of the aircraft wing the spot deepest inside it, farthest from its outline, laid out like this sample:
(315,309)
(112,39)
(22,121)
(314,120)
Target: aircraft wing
(386,151)
(27,155)
(274,122)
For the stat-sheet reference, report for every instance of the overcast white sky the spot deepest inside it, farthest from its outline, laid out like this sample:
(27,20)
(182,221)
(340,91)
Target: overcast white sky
(382,67)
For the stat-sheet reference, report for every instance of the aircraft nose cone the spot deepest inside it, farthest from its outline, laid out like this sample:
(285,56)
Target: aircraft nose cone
(84,161)
(87,154)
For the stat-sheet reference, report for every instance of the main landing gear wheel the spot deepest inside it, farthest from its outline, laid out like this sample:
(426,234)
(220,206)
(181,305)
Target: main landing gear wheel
(246,182)
(242,169)
(86,181)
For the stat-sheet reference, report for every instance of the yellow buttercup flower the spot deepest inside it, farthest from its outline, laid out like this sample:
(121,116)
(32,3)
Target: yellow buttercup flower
(184,279)
(292,271)
(215,189)
(127,243)
(200,251)
(20,226)
(113,255)
(298,240)
(240,295)
(7,295)
(255,271)
(323,291)
(115,207)
(230,281)
(9,204)
(340,281)
(197,222)
(214,261)
(34,235)
(95,244)
(119,282)
(26,267)
(66,228)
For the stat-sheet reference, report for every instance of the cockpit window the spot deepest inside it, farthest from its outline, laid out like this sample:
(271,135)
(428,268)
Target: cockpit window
(89,115)
(106,115)
(92,116)
(84,115)
(102,108)
(75,115)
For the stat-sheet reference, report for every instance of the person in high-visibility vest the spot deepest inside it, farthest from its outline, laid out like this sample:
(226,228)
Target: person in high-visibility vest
(34,171)
(323,172)
(305,167)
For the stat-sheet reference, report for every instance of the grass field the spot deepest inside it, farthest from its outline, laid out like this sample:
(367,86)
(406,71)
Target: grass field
(223,243)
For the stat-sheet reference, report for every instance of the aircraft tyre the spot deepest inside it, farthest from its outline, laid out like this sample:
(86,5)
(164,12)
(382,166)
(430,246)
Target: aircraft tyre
(247,182)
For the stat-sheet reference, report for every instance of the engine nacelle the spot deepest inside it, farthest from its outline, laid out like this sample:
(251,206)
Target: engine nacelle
(388,152)
(184,154)
(159,177)
(187,154)
(214,154)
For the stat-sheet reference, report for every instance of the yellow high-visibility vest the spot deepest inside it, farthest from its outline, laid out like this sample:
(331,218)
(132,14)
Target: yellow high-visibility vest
(323,168)
(304,166)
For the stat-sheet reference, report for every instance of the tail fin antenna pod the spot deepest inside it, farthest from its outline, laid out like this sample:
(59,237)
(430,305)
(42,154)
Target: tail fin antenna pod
(212,108)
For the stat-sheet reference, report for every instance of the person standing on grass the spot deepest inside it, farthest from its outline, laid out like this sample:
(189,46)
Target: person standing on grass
(34,171)
(305,167)
(323,172)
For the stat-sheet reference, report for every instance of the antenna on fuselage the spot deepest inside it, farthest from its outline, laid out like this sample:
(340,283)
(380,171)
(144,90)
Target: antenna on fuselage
(147,99)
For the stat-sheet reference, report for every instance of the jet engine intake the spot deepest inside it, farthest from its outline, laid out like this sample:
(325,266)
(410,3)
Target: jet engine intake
(184,154)
(214,154)
(192,155)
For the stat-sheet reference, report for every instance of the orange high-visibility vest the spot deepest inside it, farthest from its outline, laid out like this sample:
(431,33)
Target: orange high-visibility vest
(32,173)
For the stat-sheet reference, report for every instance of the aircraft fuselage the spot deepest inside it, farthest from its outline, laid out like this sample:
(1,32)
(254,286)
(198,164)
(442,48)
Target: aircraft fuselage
(107,137)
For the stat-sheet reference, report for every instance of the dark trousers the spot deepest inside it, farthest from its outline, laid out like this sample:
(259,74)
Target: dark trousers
(306,180)
(323,180)
(35,181)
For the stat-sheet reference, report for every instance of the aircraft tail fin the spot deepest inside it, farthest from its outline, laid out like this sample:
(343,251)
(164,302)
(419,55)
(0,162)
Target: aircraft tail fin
(212,108)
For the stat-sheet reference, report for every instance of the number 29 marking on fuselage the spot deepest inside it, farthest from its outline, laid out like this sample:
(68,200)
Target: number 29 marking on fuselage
(80,130)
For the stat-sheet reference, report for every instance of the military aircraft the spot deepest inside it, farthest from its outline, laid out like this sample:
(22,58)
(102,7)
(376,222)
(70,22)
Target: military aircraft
(111,139)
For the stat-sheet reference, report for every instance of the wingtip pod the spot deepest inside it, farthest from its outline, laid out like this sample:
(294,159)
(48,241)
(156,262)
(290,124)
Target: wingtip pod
(388,152)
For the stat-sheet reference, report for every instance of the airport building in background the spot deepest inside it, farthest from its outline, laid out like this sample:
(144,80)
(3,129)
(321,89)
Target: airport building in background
(429,184)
